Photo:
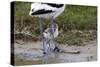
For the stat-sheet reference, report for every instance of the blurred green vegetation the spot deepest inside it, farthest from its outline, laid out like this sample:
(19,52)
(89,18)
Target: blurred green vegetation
(74,17)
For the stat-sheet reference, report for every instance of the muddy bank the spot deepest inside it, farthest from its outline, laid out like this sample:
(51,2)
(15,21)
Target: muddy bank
(31,53)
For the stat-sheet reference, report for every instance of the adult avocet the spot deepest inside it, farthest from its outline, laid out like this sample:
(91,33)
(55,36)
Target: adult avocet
(46,11)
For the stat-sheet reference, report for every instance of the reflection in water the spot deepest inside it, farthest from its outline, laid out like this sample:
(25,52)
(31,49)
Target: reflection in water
(50,58)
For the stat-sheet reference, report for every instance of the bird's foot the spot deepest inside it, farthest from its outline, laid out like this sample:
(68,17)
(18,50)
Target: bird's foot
(56,49)
(44,53)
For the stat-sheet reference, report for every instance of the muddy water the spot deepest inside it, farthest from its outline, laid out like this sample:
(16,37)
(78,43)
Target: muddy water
(31,53)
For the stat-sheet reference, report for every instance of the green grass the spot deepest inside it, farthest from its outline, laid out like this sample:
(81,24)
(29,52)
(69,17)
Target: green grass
(74,17)
(78,17)
(77,37)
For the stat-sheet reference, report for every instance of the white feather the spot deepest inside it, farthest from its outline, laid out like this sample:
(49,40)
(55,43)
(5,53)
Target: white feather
(39,6)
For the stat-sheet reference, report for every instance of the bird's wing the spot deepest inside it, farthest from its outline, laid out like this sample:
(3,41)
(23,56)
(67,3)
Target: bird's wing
(42,11)
(39,6)
(48,7)
(54,5)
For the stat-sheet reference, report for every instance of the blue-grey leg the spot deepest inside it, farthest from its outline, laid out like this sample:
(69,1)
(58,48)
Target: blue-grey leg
(45,42)
(48,44)
(52,32)
(41,21)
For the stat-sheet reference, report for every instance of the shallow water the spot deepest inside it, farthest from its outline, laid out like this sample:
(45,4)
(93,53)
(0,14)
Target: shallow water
(31,53)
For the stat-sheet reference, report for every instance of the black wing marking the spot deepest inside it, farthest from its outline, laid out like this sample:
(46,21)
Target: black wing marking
(54,5)
(42,11)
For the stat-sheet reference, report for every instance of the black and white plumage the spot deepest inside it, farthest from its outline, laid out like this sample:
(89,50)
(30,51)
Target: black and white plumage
(46,10)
